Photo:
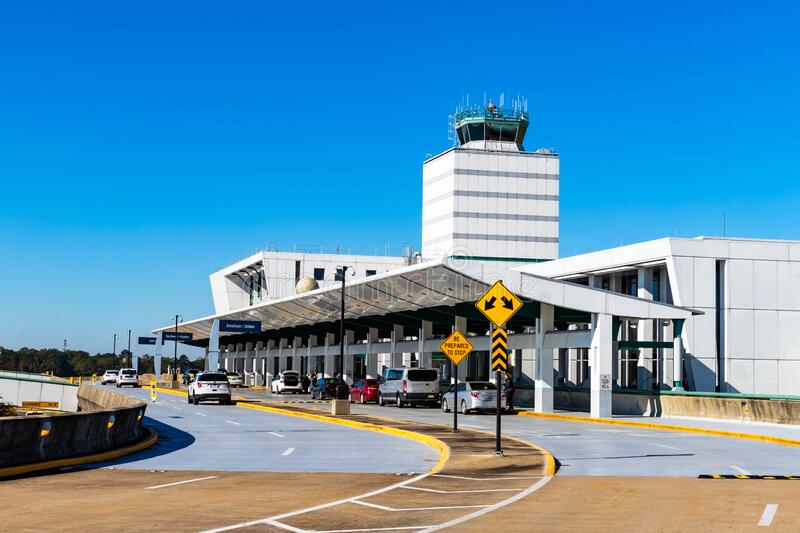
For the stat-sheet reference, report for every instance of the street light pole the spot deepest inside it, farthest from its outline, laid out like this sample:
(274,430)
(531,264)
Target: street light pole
(114,358)
(342,271)
(178,318)
(129,348)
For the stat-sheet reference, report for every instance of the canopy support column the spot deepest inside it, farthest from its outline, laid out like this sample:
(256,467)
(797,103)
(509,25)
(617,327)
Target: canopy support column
(601,359)
(543,392)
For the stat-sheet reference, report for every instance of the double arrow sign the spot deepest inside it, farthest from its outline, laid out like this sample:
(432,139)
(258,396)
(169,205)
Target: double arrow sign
(499,304)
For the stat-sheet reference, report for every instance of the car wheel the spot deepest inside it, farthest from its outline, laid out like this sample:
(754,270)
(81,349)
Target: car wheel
(464,407)
(444,406)
(380,400)
(361,399)
(188,398)
(195,400)
(399,401)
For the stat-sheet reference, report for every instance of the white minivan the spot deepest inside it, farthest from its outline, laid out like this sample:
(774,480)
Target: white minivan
(409,386)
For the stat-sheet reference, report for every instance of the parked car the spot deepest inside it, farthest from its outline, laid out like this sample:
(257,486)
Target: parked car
(128,376)
(365,390)
(287,381)
(473,396)
(209,386)
(409,386)
(109,376)
(324,389)
(235,379)
(189,375)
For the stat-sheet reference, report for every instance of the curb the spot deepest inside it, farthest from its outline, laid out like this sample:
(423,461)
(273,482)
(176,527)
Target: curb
(441,447)
(665,427)
(148,441)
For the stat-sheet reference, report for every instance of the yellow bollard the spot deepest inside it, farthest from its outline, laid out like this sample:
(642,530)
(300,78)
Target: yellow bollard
(94,378)
(71,379)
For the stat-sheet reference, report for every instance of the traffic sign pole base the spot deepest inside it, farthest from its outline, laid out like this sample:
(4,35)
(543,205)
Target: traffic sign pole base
(498,453)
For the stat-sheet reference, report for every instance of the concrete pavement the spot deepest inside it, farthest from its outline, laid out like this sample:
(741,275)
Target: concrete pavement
(220,437)
(588,449)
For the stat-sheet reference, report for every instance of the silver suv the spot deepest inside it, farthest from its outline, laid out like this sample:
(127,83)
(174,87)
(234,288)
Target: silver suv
(409,386)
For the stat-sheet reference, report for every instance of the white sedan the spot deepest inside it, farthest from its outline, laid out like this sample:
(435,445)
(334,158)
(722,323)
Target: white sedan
(109,376)
(287,381)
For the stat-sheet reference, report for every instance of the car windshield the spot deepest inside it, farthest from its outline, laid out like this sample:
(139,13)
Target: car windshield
(212,377)
(482,385)
(112,371)
(129,372)
(423,375)
(370,382)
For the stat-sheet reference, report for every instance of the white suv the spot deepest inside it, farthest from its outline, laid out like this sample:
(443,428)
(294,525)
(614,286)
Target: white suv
(409,386)
(209,386)
(109,376)
(128,376)
(287,381)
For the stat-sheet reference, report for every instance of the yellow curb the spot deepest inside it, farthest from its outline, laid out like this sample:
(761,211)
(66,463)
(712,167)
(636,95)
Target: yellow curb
(172,391)
(81,460)
(441,447)
(665,427)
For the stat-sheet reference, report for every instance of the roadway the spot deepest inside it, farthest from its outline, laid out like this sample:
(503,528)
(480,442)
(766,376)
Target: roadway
(587,449)
(229,438)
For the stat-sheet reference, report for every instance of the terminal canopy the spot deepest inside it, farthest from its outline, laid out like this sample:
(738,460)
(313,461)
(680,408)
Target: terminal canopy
(434,291)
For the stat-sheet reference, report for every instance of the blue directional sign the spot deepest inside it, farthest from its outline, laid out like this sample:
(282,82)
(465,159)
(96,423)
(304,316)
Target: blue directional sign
(240,326)
(147,340)
(179,336)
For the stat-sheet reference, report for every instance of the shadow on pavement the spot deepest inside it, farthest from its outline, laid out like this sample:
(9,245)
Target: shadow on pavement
(170,439)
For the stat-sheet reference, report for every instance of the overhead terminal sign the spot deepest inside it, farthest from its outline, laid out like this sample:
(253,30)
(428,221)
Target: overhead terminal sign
(498,304)
(147,340)
(456,347)
(240,326)
(176,336)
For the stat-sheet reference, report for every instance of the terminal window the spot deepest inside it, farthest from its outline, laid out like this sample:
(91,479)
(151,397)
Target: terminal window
(319,274)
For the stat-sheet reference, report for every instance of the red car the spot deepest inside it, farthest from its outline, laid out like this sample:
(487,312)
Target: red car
(365,390)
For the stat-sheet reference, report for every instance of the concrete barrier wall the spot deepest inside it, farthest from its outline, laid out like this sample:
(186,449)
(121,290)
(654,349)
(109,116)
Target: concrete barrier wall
(112,421)
(743,409)
(17,387)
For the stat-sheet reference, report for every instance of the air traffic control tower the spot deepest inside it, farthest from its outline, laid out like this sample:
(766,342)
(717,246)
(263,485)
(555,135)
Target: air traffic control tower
(487,198)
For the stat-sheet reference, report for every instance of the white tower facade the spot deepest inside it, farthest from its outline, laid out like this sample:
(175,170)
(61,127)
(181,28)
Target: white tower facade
(488,198)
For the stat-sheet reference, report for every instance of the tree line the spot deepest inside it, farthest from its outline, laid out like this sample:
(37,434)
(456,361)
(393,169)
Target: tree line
(66,363)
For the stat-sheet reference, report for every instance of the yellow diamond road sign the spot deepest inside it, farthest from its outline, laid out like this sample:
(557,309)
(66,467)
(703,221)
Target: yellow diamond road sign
(456,347)
(498,304)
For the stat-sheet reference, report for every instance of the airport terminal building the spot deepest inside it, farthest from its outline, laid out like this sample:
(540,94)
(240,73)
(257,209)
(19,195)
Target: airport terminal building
(704,314)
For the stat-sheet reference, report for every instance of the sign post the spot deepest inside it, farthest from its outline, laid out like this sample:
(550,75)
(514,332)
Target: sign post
(456,347)
(153,390)
(499,304)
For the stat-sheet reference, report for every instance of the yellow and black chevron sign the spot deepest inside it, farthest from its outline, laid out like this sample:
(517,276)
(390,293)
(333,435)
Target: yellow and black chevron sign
(499,350)
(748,476)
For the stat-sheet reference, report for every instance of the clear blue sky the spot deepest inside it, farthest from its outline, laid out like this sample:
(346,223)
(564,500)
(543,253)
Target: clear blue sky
(143,145)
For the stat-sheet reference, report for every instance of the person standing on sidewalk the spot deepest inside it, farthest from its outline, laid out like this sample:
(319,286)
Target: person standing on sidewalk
(508,386)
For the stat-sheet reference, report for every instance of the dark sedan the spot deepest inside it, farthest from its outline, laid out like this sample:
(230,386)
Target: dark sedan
(324,389)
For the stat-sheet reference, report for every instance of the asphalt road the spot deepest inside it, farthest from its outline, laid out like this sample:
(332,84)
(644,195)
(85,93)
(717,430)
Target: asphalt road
(214,437)
(585,449)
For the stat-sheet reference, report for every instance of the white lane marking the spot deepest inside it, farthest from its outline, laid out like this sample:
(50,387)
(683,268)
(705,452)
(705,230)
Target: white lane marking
(460,520)
(741,470)
(393,510)
(273,520)
(459,491)
(180,482)
(663,446)
(277,435)
(769,513)
(401,528)
(201,414)
(499,478)
(234,423)
(178,408)
(474,426)
(288,451)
